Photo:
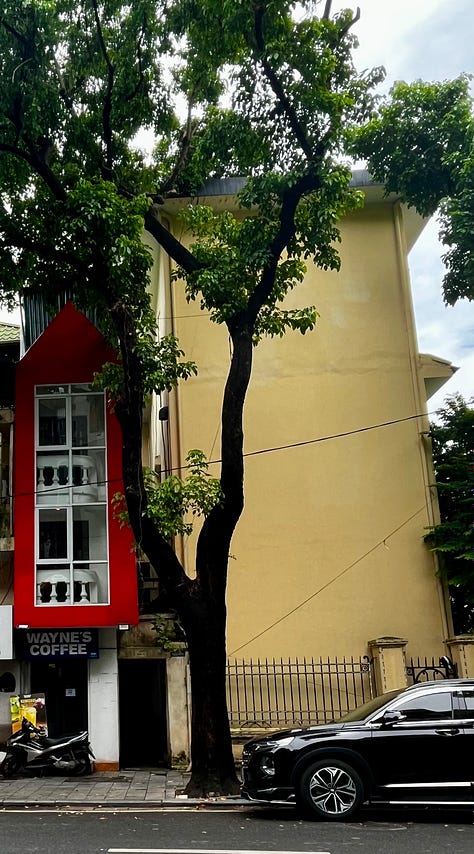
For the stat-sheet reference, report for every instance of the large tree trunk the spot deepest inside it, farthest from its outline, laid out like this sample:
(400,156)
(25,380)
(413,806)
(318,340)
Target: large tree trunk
(200,603)
(204,614)
(212,762)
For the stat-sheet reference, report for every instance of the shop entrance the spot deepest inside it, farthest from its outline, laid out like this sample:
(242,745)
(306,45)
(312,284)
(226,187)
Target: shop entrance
(64,684)
(142,709)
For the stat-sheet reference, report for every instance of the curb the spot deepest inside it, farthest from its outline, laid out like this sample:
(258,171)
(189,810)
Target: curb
(207,803)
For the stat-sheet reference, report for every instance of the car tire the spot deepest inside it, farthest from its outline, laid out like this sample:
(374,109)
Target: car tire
(330,790)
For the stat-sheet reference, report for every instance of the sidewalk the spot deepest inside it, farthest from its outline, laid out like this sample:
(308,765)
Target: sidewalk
(107,789)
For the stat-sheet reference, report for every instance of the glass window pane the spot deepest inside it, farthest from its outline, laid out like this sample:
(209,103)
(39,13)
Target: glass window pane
(53,534)
(88,422)
(88,477)
(52,389)
(91,584)
(52,477)
(80,388)
(53,584)
(428,708)
(469,700)
(51,422)
(89,533)
(71,493)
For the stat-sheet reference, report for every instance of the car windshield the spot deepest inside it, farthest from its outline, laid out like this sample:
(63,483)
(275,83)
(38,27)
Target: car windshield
(363,712)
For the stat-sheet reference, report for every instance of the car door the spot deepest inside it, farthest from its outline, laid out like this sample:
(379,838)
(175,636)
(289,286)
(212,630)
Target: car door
(425,749)
(464,714)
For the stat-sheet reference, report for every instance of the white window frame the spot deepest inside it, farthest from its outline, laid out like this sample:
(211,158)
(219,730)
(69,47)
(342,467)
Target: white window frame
(68,564)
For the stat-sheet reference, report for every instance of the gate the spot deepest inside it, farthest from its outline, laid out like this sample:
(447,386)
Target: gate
(424,669)
(275,693)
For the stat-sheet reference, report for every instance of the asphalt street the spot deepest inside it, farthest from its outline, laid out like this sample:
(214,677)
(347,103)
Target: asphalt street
(208,830)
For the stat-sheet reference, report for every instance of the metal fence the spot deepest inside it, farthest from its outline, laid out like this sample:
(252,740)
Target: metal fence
(425,669)
(276,693)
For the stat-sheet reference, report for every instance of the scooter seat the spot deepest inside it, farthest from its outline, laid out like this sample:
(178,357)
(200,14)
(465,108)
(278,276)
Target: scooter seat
(52,742)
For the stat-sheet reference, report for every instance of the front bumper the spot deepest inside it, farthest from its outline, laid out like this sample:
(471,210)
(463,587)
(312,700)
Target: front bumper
(281,794)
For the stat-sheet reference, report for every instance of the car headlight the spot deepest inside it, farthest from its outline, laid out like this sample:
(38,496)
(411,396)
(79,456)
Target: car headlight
(267,761)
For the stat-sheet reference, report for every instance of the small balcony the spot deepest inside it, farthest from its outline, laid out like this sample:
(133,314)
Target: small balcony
(55,588)
(53,478)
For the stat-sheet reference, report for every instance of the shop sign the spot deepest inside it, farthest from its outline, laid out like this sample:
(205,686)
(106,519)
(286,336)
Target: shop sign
(53,644)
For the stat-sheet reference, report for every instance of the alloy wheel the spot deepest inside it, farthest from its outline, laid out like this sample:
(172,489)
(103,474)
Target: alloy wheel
(333,790)
(330,790)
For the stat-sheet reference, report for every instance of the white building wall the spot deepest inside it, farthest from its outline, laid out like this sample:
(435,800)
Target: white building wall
(104,702)
(178,706)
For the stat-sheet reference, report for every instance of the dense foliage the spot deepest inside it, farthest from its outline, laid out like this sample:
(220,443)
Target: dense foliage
(453,453)
(420,144)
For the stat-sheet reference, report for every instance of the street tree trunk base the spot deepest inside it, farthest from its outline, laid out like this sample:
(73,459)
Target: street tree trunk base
(211,786)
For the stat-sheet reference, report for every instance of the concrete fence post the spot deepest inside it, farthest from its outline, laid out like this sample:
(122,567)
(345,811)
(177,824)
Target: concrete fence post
(388,655)
(461,649)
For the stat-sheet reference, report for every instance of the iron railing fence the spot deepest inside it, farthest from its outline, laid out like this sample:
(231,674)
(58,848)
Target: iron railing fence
(425,669)
(274,693)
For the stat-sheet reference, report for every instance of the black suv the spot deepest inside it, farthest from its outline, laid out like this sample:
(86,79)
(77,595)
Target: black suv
(412,747)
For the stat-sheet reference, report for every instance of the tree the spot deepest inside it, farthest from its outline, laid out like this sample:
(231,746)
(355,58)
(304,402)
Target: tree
(420,144)
(271,93)
(453,538)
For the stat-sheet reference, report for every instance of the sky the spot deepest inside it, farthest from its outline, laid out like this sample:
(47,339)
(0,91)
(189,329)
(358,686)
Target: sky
(429,40)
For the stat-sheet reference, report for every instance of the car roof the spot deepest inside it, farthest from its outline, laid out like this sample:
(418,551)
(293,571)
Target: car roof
(441,684)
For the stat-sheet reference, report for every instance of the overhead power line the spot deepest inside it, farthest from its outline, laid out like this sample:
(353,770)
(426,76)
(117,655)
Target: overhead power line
(328,583)
(269,450)
(334,435)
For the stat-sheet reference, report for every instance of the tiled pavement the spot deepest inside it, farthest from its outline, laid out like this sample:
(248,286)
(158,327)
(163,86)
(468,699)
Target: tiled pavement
(107,789)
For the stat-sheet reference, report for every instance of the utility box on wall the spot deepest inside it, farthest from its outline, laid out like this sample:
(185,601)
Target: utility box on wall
(6,632)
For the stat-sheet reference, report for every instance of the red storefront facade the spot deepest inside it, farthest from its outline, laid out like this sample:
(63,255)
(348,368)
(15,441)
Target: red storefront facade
(74,565)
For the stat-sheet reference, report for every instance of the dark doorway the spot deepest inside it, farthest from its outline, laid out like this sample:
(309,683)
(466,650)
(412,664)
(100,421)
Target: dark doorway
(142,709)
(64,684)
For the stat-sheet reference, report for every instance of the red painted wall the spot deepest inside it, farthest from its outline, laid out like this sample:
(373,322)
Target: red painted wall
(70,350)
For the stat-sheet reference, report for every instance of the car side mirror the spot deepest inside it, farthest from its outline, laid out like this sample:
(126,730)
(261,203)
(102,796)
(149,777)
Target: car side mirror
(391,717)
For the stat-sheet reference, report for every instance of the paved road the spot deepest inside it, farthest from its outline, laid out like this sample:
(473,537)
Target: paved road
(237,829)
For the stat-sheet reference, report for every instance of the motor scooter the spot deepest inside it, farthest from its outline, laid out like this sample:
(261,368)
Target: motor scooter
(29,750)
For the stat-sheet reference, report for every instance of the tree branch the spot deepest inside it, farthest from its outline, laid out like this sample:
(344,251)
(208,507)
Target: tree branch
(13,32)
(327,11)
(19,240)
(278,89)
(184,151)
(38,165)
(141,75)
(307,183)
(107,109)
(213,546)
(350,24)
(63,91)
(168,242)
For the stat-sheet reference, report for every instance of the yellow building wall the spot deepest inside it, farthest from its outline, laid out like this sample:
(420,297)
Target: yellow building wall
(329,551)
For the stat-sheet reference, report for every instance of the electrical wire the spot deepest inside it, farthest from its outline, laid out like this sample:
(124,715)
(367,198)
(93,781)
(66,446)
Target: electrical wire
(247,454)
(328,583)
